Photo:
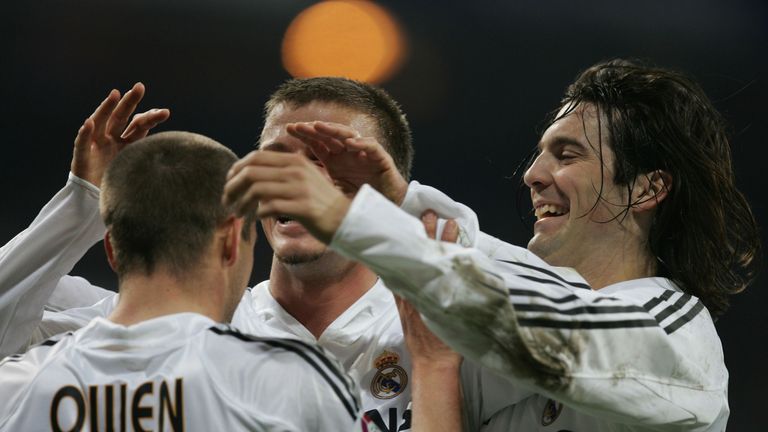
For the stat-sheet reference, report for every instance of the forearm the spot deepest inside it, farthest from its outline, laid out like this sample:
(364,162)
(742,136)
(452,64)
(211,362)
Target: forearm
(32,263)
(437,397)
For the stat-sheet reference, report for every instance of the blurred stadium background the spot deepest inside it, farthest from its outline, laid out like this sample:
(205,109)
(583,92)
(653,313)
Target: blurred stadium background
(476,79)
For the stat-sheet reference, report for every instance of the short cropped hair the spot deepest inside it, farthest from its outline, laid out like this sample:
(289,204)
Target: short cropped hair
(162,201)
(704,234)
(394,133)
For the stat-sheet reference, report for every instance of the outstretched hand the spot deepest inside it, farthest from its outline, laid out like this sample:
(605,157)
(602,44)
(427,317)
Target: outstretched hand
(352,160)
(286,184)
(104,133)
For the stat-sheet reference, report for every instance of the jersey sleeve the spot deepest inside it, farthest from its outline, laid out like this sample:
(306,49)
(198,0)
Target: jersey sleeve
(34,261)
(539,326)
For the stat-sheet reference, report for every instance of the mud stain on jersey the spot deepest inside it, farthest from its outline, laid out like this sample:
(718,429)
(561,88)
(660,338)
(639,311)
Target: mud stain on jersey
(543,356)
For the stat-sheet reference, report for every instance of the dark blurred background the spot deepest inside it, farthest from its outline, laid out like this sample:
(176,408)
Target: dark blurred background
(476,82)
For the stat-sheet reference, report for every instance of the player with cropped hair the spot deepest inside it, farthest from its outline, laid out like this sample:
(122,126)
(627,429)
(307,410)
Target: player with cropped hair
(161,360)
(313,293)
(605,321)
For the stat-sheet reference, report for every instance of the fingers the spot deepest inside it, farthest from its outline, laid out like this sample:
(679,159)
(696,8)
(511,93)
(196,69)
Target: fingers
(335,130)
(84,135)
(365,144)
(262,158)
(144,122)
(450,231)
(308,134)
(429,219)
(122,112)
(237,187)
(102,113)
(270,198)
(80,165)
(337,137)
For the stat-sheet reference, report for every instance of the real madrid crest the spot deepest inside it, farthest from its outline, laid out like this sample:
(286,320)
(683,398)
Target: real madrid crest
(390,379)
(551,412)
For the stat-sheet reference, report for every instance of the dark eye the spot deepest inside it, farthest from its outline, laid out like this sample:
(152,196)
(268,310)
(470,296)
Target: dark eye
(567,154)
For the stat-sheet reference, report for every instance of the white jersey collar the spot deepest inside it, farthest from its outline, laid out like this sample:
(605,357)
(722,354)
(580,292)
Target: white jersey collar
(163,333)
(345,329)
(644,283)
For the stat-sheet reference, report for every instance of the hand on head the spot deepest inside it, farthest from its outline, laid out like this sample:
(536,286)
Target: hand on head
(352,160)
(104,133)
(286,184)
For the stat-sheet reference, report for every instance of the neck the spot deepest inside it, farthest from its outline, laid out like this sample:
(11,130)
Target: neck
(319,292)
(607,267)
(144,297)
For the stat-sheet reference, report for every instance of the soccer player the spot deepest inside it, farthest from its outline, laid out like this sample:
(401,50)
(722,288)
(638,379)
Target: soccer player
(313,293)
(161,360)
(605,321)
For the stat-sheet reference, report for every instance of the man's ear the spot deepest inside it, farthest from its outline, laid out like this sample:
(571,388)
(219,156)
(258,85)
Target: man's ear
(110,252)
(651,189)
(230,235)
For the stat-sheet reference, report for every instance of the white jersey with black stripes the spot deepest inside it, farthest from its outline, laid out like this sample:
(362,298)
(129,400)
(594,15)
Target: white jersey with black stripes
(176,372)
(637,355)
(367,338)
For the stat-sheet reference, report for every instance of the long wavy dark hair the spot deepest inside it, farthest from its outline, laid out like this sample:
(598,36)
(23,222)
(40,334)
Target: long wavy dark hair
(704,234)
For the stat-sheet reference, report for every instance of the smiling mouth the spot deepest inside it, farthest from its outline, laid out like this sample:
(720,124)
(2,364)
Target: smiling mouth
(284,219)
(549,210)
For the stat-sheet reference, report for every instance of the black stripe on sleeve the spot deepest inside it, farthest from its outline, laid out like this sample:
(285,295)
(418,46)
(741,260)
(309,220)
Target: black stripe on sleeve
(547,272)
(683,320)
(586,325)
(541,280)
(652,303)
(13,358)
(602,299)
(580,309)
(674,307)
(529,293)
(489,286)
(350,406)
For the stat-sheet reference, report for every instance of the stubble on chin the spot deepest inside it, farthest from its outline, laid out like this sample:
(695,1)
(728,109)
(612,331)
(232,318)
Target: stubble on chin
(298,259)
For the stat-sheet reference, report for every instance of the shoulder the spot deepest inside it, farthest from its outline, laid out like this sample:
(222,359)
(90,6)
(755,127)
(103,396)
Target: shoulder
(281,364)
(287,352)
(36,354)
(19,371)
(670,307)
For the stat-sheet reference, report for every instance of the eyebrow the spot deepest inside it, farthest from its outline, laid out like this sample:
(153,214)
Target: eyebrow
(562,141)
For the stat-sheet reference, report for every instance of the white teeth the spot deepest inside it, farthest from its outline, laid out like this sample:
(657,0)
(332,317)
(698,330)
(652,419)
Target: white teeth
(550,209)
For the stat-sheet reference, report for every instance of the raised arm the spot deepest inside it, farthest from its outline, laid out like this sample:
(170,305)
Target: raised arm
(544,328)
(435,370)
(541,327)
(34,261)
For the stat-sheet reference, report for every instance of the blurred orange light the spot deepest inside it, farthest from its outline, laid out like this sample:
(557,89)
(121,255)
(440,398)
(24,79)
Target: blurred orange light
(352,38)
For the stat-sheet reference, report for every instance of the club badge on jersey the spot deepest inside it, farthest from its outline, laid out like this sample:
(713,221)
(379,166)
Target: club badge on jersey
(551,412)
(390,379)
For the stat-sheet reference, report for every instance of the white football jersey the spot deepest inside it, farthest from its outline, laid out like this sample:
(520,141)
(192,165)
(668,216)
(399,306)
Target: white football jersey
(367,338)
(174,373)
(636,355)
